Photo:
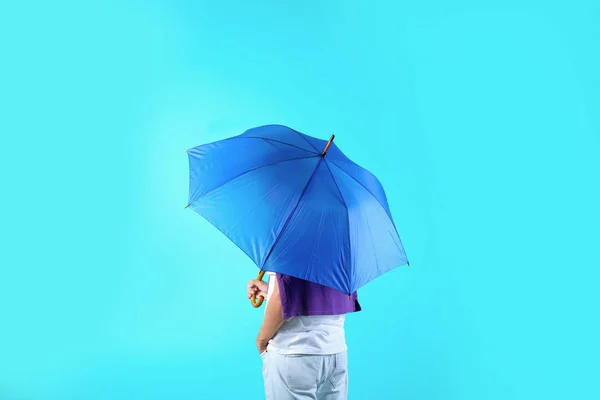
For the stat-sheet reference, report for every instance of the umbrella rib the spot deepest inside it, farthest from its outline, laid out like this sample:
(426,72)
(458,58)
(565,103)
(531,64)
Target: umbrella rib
(247,172)
(266,139)
(376,201)
(306,140)
(367,189)
(251,209)
(291,214)
(277,141)
(347,214)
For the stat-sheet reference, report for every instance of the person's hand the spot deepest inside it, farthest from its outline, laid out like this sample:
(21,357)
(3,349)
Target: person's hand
(261,345)
(257,288)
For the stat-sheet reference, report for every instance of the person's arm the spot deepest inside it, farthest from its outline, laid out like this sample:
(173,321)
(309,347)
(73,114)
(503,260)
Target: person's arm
(272,321)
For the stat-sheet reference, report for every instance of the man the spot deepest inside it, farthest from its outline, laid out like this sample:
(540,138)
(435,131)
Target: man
(302,340)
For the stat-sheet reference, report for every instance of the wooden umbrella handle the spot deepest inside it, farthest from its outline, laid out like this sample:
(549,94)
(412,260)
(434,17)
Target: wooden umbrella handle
(253,300)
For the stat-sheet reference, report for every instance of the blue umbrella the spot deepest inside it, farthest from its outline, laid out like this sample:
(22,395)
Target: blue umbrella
(296,205)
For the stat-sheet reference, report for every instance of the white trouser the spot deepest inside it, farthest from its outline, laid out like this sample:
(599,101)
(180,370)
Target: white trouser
(305,377)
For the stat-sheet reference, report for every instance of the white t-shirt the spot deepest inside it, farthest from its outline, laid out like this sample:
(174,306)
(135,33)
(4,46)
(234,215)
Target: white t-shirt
(315,334)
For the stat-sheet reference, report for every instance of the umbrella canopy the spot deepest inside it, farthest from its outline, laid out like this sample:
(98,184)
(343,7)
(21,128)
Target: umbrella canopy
(296,205)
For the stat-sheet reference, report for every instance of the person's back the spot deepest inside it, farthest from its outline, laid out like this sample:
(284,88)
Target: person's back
(307,356)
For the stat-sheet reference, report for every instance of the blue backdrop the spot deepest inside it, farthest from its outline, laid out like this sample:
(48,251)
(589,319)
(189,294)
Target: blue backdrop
(481,121)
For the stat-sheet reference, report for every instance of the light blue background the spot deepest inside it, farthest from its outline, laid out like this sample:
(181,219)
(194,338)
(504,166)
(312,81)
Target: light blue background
(481,121)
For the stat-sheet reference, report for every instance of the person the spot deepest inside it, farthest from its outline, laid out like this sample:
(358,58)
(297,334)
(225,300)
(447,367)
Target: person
(302,338)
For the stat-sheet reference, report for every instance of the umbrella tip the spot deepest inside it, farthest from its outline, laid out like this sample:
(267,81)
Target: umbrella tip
(185,150)
(186,206)
(324,153)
